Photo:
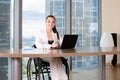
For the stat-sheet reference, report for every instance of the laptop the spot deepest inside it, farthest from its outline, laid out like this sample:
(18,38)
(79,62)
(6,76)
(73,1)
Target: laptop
(69,41)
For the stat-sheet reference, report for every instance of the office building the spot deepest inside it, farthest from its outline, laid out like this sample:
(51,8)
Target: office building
(84,23)
(4,36)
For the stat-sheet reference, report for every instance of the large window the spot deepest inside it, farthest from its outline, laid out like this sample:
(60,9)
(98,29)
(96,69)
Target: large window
(4,24)
(4,36)
(33,20)
(73,16)
(84,19)
(84,22)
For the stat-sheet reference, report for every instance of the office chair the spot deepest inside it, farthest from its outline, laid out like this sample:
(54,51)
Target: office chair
(43,67)
(114,59)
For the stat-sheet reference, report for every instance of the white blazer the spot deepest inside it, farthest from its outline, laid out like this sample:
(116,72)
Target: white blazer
(41,39)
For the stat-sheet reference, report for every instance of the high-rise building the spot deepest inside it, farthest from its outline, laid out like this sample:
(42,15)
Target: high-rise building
(57,8)
(4,24)
(4,36)
(84,23)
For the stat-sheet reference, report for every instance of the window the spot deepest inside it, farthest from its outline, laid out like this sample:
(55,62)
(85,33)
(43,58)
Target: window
(84,18)
(4,35)
(4,24)
(33,20)
(85,24)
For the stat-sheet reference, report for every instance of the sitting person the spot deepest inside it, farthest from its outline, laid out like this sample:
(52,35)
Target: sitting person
(51,39)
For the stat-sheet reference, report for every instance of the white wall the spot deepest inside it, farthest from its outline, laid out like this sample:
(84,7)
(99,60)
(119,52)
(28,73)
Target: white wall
(111,18)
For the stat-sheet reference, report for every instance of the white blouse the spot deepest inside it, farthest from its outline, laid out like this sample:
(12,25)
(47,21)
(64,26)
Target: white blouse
(41,39)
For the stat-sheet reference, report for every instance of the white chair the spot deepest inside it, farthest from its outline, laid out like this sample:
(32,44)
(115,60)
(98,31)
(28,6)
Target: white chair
(107,41)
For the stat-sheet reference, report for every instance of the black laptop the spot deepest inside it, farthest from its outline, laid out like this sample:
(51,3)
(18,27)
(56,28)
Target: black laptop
(69,41)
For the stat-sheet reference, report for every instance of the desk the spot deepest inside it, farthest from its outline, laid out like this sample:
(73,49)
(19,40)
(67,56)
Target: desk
(94,51)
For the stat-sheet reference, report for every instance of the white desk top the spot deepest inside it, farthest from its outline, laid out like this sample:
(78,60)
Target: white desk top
(94,51)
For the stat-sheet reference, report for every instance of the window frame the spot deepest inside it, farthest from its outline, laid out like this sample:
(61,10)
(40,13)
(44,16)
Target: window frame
(17,27)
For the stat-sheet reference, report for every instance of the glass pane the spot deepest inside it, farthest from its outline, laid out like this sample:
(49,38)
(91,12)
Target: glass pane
(4,36)
(57,8)
(4,24)
(34,14)
(34,18)
(85,24)
(33,22)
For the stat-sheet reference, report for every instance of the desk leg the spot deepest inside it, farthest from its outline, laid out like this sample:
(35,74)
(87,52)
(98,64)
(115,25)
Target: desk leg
(103,73)
(70,64)
(17,69)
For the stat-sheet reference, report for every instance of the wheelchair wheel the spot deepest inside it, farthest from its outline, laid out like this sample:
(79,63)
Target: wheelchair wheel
(31,73)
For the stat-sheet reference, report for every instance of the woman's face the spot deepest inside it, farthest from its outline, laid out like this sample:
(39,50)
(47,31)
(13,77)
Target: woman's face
(50,22)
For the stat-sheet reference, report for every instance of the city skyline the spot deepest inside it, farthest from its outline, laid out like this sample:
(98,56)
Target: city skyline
(33,17)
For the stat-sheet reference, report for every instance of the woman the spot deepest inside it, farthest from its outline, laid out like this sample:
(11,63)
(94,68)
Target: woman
(51,39)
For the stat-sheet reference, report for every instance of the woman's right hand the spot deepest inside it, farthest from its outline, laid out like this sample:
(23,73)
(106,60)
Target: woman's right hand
(54,46)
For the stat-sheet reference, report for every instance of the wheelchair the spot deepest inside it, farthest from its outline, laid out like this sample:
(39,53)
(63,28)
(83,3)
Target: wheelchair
(42,68)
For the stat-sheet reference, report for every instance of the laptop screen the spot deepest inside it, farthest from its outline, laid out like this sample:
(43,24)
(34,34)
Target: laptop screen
(69,41)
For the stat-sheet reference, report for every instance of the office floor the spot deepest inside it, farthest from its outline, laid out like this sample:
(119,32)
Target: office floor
(111,74)
(95,74)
